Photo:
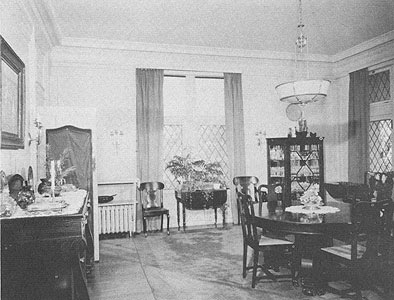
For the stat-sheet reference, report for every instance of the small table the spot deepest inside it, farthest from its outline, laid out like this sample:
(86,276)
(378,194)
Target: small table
(201,199)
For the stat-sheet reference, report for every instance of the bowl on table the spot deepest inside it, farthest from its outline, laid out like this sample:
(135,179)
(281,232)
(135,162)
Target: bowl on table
(105,199)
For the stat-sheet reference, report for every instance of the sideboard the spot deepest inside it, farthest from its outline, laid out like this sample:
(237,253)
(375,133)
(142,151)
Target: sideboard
(43,252)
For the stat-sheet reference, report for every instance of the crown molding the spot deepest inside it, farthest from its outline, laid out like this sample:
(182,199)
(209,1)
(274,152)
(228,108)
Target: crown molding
(42,17)
(365,46)
(183,49)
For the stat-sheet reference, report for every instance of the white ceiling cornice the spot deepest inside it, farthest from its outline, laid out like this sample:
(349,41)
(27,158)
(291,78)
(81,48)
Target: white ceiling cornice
(209,51)
(183,49)
(43,18)
(365,46)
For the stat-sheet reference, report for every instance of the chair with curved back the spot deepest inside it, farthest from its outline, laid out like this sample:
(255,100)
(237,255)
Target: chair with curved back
(246,185)
(275,251)
(358,258)
(152,203)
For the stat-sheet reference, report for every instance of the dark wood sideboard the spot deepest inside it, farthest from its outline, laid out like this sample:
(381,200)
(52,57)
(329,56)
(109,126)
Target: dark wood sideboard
(43,256)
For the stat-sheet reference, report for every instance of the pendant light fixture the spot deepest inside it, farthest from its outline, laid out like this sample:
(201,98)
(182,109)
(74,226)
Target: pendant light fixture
(305,90)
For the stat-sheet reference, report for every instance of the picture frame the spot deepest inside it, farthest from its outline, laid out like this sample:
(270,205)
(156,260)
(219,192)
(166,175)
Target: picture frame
(12,98)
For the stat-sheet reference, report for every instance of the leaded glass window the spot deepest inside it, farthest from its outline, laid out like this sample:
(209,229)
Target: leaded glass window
(194,121)
(379,86)
(380,145)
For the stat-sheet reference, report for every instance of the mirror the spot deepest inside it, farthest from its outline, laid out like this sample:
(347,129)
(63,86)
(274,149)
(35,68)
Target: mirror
(12,101)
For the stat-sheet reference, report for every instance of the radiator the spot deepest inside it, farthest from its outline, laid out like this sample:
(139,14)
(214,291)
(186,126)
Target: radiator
(116,218)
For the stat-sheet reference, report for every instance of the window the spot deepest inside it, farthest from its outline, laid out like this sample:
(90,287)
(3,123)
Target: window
(381,120)
(194,120)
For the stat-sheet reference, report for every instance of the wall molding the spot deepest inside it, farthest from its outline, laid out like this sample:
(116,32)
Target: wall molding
(42,17)
(184,49)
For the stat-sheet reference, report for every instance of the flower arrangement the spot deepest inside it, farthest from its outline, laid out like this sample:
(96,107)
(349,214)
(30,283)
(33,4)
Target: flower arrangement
(311,196)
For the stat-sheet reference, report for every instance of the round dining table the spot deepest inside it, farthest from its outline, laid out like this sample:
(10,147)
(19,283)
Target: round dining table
(311,230)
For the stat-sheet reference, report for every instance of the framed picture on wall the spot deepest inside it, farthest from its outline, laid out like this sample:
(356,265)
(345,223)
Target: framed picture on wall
(12,86)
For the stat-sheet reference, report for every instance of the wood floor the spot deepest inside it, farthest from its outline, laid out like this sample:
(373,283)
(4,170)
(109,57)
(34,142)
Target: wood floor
(205,264)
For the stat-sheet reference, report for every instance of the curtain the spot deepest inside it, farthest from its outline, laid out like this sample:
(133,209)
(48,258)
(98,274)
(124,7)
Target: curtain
(150,122)
(234,129)
(358,155)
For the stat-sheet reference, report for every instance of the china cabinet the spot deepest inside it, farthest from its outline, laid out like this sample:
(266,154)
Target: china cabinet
(294,165)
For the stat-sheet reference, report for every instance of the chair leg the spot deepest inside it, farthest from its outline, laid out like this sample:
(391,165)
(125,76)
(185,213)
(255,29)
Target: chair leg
(245,254)
(161,224)
(255,265)
(144,224)
(168,224)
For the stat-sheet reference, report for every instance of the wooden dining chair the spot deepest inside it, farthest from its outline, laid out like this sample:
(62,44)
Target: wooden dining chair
(246,185)
(261,242)
(152,203)
(358,257)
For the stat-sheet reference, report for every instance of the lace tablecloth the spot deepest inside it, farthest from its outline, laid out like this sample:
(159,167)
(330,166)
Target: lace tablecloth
(318,210)
(68,203)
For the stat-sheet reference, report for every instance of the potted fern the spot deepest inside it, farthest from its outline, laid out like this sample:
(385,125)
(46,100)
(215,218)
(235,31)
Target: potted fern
(197,179)
(196,174)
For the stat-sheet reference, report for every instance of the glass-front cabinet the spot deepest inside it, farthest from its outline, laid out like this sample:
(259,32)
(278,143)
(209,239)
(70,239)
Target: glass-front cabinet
(294,165)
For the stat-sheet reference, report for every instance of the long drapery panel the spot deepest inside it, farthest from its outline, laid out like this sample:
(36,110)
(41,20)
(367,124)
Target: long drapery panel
(234,129)
(358,126)
(150,123)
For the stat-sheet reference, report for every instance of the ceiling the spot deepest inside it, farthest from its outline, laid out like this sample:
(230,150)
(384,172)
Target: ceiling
(331,26)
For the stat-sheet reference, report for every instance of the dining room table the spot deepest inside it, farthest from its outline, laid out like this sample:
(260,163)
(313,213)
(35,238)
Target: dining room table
(310,229)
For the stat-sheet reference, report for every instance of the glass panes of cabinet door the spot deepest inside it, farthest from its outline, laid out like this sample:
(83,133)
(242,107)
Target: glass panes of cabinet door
(276,164)
(304,168)
(295,164)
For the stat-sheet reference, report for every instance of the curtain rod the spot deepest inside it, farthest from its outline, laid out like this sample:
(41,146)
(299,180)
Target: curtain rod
(199,77)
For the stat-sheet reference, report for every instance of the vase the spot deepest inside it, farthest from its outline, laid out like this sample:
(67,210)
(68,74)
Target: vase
(45,188)
(42,186)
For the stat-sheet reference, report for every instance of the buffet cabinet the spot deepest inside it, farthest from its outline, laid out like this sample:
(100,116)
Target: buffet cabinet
(44,253)
(294,165)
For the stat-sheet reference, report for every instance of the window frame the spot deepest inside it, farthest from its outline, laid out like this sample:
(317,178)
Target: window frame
(384,110)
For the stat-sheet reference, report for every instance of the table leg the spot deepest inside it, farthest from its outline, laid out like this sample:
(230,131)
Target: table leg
(216,217)
(224,214)
(177,214)
(184,217)
(307,269)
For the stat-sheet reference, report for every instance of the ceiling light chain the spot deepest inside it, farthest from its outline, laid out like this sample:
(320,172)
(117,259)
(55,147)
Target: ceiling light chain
(301,39)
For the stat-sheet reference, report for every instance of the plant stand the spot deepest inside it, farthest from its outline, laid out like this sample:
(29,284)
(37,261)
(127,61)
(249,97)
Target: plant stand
(201,199)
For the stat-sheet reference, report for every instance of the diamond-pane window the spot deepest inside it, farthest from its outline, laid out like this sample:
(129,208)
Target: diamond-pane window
(172,145)
(379,86)
(380,146)
(212,146)
(194,117)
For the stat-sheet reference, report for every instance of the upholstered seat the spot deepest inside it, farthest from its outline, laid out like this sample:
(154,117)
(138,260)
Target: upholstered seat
(360,257)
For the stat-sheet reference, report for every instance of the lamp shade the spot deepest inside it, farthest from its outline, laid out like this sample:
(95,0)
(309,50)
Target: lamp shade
(303,91)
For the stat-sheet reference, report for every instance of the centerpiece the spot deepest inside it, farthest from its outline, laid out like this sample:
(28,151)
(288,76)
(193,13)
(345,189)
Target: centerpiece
(311,198)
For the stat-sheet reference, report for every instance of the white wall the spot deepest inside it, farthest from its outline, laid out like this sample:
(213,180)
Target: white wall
(27,37)
(105,79)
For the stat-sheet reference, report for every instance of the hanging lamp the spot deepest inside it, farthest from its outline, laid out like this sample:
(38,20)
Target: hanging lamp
(305,90)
